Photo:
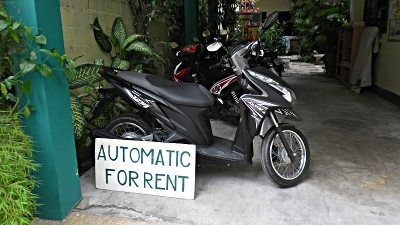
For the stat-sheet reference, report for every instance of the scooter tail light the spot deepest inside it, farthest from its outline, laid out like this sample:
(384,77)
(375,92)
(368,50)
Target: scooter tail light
(181,74)
(190,48)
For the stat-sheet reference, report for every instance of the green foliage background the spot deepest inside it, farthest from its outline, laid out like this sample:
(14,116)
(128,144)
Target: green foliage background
(317,23)
(273,37)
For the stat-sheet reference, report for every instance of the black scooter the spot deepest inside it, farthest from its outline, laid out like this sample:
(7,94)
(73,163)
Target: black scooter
(179,113)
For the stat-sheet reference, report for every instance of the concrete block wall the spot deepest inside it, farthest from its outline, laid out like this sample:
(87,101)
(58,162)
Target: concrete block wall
(77,15)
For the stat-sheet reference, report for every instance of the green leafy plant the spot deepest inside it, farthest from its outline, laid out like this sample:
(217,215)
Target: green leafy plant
(273,37)
(126,48)
(329,20)
(17,202)
(170,11)
(87,76)
(124,51)
(17,40)
(144,11)
(316,24)
(173,14)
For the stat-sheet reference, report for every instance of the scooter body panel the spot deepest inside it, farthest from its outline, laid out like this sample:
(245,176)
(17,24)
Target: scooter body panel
(189,122)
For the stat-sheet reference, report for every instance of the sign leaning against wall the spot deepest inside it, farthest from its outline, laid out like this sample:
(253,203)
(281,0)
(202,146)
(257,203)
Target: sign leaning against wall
(155,168)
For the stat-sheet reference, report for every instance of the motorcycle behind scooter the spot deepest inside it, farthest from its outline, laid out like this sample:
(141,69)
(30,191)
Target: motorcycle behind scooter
(179,113)
(195,65)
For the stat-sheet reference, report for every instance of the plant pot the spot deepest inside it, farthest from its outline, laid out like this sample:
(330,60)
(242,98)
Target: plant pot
(318,59)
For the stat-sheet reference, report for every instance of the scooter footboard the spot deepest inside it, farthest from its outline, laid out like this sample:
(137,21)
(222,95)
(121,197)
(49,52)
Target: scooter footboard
(219,152)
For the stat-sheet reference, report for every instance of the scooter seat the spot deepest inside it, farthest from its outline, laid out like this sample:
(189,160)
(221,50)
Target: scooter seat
(188,94)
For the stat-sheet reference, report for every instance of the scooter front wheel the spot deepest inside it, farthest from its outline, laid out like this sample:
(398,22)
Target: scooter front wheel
(275,160)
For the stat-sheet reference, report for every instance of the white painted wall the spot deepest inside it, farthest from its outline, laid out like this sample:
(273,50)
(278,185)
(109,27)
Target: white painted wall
(386,73)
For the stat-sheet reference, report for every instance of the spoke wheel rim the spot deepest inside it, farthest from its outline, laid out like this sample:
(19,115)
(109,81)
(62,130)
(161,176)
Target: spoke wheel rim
(280,161)
(128,130)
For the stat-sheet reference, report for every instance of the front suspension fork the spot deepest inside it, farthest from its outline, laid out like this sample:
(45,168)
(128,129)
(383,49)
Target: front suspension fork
(289,151)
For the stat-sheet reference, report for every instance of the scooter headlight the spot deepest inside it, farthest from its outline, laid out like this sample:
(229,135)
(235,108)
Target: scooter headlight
(287,93)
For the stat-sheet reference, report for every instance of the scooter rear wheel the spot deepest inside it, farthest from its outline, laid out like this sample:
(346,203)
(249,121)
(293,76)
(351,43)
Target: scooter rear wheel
(128,126)
(275,160)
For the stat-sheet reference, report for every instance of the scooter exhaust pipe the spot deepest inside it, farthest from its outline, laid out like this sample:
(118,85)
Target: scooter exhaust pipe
(99,133)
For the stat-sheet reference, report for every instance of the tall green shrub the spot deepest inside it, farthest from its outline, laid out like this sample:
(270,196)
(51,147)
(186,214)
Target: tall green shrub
(17,202)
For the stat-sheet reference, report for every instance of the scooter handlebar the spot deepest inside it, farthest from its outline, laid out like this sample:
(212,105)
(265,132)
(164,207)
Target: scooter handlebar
(223,61)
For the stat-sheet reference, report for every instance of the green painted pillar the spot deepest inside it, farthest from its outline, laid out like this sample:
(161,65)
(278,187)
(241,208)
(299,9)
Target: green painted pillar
(191,8)
(50,124)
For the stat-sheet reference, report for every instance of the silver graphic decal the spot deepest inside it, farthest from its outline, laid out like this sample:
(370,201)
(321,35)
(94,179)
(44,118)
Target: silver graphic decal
(135,96)
(256,107)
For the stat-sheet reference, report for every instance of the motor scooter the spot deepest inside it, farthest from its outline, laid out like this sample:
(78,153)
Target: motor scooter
(179,113)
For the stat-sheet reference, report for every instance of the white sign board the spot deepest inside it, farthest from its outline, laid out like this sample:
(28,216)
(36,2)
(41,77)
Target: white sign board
(155,168)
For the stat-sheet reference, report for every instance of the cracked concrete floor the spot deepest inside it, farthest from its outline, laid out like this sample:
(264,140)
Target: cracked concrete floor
(76,218)
(353,178)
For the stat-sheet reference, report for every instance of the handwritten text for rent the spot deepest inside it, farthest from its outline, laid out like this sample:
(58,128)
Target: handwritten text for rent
(155,168)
